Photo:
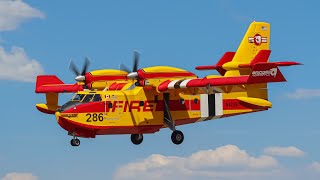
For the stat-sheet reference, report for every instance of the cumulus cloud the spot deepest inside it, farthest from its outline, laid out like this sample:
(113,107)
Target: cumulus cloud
(14,12)
(226,162)
(19,176)
(304,94)
(315,166)
(16,65)
(290,151)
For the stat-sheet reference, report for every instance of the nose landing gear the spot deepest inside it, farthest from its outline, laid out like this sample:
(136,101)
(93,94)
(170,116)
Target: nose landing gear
(74,141)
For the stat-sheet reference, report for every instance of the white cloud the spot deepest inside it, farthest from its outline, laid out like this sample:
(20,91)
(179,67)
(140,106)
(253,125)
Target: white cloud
(290,151)
(19,176)
(226,162)
(14,12)
(304,94)
(315,166)
(16,65)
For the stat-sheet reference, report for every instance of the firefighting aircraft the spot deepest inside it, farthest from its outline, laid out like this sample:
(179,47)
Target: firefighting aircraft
(143,101)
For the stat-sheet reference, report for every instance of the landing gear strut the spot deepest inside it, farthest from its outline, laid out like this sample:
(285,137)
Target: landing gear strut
(74,141)
(136,138)
(176,136)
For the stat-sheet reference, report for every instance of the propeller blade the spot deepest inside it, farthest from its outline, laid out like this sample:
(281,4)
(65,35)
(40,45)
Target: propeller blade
(135,61)
(85,66)
(73,68)
(124,68)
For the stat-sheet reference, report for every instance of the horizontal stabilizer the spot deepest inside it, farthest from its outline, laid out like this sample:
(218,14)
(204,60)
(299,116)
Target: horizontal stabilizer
(265,72)
(227,57)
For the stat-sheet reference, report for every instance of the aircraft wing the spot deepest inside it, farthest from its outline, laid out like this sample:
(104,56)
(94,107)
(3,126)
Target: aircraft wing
(261,73)
(52,84)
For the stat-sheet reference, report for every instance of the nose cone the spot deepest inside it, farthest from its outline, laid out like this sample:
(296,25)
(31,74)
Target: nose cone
(132,75)
(80,78)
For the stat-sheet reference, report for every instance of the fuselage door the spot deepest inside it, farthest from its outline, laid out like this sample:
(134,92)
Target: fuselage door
(113,109)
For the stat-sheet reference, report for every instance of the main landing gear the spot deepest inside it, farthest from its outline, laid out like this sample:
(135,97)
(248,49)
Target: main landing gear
(136,138)
(176,136)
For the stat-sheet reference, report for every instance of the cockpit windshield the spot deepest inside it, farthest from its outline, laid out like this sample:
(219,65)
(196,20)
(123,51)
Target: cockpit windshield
(78,97)
(96,97)
(86,97)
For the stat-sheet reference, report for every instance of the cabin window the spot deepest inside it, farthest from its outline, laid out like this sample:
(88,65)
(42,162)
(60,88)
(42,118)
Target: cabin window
(141,103)
(196,100)
(78,97)
(87,98)
(96,97)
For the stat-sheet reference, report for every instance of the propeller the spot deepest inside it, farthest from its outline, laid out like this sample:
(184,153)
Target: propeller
(132,74)
(80,76)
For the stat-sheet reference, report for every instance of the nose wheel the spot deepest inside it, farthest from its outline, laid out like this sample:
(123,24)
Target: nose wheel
(177,137)
(136,138)
(75,142)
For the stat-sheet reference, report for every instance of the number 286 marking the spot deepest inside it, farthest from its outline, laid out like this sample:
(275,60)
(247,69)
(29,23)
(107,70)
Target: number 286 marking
(94,117)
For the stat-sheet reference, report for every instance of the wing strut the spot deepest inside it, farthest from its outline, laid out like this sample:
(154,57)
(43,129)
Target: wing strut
(167,114)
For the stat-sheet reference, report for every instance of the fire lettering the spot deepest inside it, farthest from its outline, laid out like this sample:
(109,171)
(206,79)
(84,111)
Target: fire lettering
(117,104)
(137,106)
(126,106)
(147,106)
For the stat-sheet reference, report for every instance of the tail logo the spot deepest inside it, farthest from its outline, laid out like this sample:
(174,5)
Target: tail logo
(272,72)
(258,39)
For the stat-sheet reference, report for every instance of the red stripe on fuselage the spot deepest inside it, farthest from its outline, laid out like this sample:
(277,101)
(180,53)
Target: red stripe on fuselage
(125,106)
(176,105)
(235,104)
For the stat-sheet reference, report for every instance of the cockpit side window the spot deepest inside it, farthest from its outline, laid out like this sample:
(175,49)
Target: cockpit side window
(78,97)
(96,97)
(87,98)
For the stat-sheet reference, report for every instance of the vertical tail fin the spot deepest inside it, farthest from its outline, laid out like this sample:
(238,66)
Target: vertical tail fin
(257,38)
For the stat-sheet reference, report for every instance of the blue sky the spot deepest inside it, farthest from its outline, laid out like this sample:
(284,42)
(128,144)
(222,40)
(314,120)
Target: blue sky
(42,36)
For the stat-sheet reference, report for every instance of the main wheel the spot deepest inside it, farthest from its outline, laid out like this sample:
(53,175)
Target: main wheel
(75,142)
(136,138)
(177,137)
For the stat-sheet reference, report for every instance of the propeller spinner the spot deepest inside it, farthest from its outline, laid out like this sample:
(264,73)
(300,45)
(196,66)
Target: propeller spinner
(80,76)
(132,74)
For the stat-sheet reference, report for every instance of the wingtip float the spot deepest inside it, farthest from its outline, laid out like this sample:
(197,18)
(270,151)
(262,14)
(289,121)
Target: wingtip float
(143,101)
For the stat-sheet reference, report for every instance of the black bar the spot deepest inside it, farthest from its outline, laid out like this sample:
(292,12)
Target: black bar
(211,105)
